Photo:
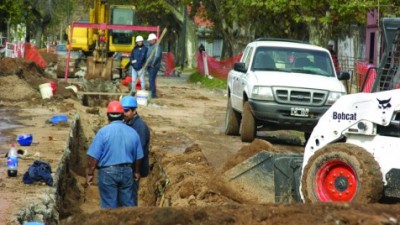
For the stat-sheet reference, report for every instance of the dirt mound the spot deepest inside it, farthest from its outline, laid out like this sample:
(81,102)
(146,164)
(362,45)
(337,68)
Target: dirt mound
(21,78)
(187,180)
(19,66)
(247,151)
(50,58)
(270,214)
(14,88)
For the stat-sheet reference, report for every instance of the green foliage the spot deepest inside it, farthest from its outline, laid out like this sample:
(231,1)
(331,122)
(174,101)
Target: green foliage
(196,77)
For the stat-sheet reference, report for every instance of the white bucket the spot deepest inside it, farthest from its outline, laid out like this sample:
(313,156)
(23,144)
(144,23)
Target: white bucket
(46,90)
(142,97)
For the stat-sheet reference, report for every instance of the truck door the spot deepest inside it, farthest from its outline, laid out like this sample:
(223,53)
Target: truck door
(239,81)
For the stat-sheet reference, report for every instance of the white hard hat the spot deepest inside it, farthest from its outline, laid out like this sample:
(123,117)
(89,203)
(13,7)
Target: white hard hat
(139,38)
(152,36)
(331,42)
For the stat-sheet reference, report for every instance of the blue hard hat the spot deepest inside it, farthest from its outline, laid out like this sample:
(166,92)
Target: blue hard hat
(129,102)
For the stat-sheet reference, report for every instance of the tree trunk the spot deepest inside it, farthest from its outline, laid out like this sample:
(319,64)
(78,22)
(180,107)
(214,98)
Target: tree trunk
(8,29)
(38,36)
(319,33)
(28,33)
(191,38)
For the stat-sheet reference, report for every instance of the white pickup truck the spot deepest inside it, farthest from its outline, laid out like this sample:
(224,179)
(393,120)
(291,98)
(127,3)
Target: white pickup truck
(280,85)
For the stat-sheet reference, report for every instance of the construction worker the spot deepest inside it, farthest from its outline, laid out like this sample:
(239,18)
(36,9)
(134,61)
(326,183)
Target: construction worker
(116,152)
(154,62)
(330,47)
(138,59)
(132,118)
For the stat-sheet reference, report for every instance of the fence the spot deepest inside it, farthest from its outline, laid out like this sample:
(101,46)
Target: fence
(214,67)
(26,51)
(358,69)
(15,49)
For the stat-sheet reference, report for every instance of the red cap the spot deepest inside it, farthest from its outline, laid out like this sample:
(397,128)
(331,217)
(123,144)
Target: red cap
(115,107)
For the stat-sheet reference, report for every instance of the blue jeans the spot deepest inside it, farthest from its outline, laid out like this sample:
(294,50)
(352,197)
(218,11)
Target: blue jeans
(135,75)
(116,187)
(152,80)
(135,191)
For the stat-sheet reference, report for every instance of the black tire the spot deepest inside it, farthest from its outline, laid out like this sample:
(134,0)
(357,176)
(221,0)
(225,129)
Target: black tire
(232,120)
(342,172)
(248,125)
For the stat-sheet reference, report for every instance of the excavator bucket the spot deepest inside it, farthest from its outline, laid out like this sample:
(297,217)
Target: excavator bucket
(269,177)
(97,70)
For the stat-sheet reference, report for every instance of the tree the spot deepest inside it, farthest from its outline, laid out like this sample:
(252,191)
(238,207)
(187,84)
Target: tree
(239,21)
(11,12)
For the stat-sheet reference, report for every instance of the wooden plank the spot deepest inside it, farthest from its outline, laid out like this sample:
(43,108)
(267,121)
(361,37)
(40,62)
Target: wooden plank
(101,93)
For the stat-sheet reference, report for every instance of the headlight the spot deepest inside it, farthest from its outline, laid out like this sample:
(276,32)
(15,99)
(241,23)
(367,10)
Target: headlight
(262,93)
(333,97)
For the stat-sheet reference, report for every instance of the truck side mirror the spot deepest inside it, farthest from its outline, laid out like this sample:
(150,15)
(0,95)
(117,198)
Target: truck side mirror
(240,66)
(344,76)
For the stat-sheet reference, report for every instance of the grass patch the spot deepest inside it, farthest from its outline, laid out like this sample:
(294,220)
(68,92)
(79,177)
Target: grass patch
(196,77)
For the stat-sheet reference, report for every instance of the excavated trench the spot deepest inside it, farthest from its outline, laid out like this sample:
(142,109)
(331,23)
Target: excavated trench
(71,190)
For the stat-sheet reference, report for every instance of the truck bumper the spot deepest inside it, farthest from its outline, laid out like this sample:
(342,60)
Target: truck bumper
(278,116)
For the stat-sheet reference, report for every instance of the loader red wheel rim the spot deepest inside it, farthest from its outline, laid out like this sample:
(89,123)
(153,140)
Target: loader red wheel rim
(336,181)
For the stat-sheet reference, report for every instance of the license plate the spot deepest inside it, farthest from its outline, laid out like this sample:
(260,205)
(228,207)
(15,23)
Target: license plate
(299,112)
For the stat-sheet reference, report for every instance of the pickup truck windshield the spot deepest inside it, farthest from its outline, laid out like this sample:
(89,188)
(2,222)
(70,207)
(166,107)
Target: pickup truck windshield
(293,60)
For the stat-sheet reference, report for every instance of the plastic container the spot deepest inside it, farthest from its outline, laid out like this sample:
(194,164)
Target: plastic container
(53,86)
(45,90)
(12,162)
(58,118)
(24,139)
(142,97)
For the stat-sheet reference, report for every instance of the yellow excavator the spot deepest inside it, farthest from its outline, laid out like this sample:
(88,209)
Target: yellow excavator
(107,38)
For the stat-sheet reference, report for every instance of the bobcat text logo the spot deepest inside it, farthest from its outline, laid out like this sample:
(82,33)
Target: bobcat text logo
(344,116)
(383,104)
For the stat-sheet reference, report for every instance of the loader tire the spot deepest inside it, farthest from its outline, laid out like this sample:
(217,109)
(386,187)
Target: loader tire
(342,172)
(232,120)
(248,125)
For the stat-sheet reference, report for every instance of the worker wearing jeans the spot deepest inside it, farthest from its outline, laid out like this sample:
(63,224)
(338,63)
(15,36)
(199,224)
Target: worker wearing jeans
(116,152)
(133,120)
(154,62)
(138,59)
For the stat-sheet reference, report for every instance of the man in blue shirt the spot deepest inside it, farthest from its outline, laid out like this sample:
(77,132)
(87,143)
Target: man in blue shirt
(133,119)
(138,59)
(116,152)
(154,62)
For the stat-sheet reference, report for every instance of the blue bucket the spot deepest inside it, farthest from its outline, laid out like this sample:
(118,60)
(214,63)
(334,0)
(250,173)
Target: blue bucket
(24,139)
(58,118)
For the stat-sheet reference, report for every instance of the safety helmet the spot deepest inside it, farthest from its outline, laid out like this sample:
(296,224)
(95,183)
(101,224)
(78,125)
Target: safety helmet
(139,38)
(129,102)
(115,107)
(331,43)
(152,36)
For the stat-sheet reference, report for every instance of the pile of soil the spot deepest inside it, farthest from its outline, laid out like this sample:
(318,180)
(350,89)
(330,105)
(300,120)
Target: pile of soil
(190,181)
(269,214)
(21,78)
(50,58)
(246,152)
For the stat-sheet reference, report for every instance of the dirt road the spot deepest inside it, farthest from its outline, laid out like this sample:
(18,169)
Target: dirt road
(188,151)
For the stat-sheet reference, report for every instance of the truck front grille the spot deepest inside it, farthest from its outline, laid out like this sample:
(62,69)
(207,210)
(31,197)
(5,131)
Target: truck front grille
(300,96)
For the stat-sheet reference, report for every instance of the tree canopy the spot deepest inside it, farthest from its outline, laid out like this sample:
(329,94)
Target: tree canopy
(235,21)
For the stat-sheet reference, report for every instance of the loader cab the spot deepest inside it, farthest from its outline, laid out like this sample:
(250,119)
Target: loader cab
(122,15)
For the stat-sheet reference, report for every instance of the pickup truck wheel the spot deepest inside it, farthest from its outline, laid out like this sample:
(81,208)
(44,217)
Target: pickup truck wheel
(342,172)
(232,120)
(248,125)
